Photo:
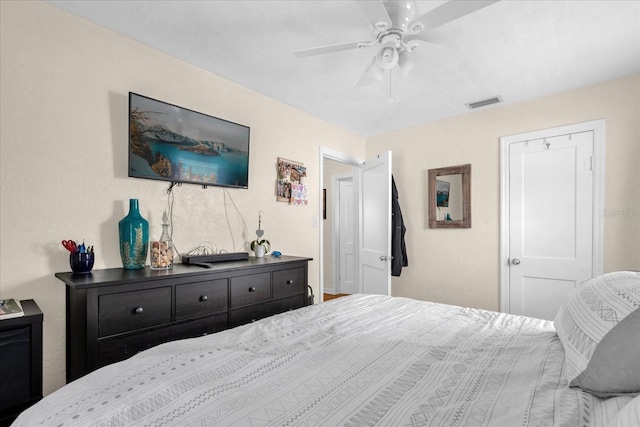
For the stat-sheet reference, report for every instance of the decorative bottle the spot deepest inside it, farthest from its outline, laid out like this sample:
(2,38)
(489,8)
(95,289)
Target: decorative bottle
(134,238)
(161,251)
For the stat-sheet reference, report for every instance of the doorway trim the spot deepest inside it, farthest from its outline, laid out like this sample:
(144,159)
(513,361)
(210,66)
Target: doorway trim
(598,128)
(328,154)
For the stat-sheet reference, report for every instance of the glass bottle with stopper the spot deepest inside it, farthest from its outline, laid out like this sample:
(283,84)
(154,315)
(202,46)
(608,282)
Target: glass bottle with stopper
(161,251)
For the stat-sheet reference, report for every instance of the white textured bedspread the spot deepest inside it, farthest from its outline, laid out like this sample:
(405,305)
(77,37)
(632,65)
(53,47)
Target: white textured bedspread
(354,361)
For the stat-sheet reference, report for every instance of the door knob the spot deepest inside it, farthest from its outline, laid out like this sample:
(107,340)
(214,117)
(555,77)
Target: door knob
(386,258)
(515,261)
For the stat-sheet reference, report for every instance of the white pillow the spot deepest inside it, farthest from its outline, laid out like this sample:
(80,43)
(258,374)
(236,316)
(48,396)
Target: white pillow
(629,416)
(599,327)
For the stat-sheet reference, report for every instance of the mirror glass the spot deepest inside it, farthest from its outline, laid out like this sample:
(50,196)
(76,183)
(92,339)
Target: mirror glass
(450,197)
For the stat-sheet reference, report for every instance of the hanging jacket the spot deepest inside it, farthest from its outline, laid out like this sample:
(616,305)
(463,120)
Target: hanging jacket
(398,247)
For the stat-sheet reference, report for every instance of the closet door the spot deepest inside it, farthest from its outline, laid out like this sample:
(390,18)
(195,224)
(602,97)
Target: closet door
(550,235)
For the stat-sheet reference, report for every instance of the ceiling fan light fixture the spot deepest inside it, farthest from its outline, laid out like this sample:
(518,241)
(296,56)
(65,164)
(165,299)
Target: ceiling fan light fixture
(387,57)
(373,71)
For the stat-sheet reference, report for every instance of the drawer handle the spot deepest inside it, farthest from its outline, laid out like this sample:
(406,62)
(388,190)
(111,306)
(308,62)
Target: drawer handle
(252,289)
(289,282)
(203,298)
(139,310)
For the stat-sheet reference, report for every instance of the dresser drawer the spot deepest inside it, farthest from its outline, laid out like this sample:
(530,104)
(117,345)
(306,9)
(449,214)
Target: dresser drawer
(257,312)
(288,282)
(247,290)
(128,311)
(201,298)
(117,349)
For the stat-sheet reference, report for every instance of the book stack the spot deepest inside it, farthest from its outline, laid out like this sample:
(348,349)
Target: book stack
(10,308)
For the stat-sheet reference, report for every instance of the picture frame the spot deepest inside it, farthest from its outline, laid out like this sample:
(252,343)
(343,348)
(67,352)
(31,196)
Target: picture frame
(289,186)
(464,197)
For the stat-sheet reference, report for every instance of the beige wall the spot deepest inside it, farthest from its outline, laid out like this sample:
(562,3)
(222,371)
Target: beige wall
(462,266)
(63,156)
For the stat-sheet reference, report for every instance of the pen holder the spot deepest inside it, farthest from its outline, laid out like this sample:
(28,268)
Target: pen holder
(81,262)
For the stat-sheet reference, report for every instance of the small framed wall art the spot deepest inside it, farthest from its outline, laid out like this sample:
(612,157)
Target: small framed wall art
(290,187)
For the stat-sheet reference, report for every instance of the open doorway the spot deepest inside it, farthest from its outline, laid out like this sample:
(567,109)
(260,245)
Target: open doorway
(332,164)
(340,231)
(372,213)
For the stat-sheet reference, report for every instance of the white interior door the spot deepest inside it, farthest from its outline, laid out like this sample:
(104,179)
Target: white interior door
(344,208)
(550,220)
(373,187)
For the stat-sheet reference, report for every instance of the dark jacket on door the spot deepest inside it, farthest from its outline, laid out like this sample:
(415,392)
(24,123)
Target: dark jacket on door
(398,247)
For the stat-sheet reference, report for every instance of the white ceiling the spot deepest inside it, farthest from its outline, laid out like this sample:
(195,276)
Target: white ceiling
(515,49)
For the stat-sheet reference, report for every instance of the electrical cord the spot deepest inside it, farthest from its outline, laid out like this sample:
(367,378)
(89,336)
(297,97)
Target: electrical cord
(170,202)
(226,214)
(204,248)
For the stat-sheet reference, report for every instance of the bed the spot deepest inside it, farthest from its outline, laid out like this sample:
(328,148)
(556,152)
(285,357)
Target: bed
(368,360)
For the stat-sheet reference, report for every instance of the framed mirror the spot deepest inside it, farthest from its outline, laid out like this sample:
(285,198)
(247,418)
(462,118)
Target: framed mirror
(450,197)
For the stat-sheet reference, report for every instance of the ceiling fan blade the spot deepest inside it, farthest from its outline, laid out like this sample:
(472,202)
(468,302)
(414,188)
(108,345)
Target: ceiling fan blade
(450,11)
(376,14)
(329,48)
(435,51)
(426,39)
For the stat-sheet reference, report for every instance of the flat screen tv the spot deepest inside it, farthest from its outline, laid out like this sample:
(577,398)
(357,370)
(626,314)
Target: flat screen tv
(175,144)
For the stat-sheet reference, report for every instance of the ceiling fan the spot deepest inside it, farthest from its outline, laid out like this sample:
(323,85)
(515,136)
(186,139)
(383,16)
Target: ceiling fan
(398,32)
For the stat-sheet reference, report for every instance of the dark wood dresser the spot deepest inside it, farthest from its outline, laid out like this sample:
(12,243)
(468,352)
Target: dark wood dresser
(20,362)
(113,314)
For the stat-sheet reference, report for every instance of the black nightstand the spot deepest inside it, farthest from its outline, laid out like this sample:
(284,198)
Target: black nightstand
(20,362)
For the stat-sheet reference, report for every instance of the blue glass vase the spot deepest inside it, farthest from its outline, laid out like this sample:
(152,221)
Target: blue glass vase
(134,238)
